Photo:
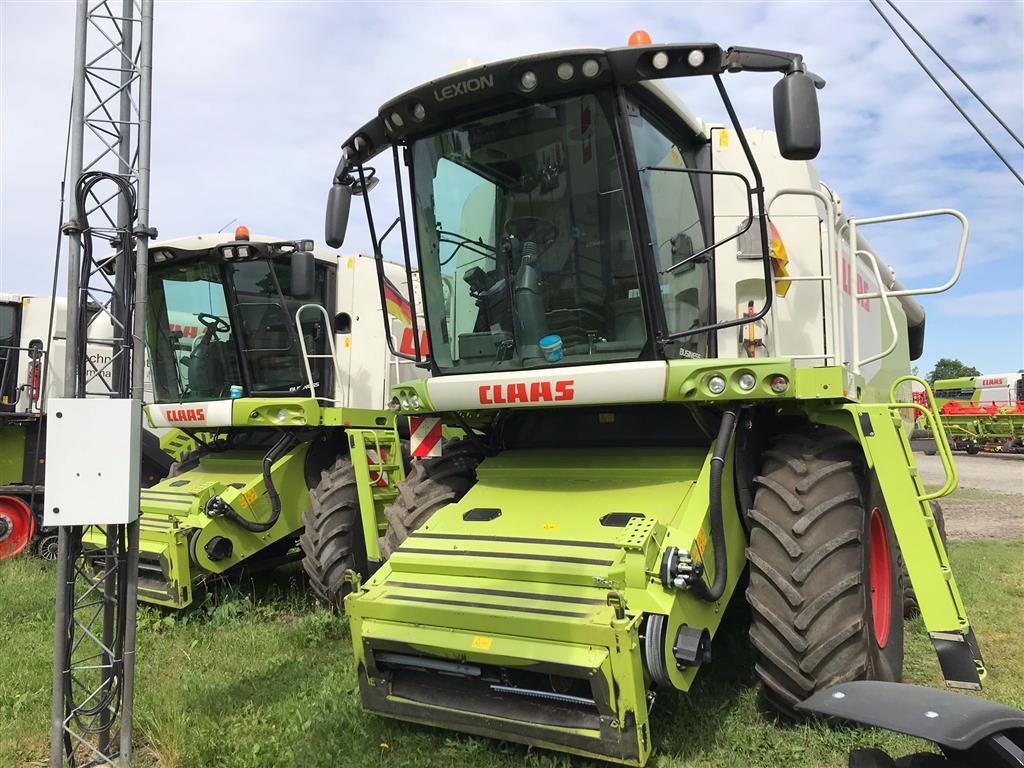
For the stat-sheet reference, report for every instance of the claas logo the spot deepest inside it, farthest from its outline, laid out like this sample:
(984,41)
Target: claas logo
(521,392)
(185,414)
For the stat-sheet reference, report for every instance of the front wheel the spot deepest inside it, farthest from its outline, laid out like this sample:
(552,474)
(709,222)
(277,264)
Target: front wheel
(430,484)
(825,587)
(332,541)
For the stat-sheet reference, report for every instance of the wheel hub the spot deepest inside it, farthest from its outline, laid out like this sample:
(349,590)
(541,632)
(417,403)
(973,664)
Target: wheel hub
(880,578)
(16,526)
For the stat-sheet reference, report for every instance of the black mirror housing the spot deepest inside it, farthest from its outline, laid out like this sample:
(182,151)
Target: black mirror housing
(339,201)
(303,275)
(797,122)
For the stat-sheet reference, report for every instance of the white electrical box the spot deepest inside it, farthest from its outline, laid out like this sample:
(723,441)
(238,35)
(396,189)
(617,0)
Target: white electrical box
(92,461)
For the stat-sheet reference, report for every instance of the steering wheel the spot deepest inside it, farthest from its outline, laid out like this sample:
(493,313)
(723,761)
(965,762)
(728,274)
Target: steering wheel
(541,231)
(213,323)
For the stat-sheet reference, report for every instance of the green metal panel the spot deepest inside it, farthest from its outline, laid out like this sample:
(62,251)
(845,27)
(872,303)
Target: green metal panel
(376,456)
(531,586)
(175,531)
(176,444)
(12,455)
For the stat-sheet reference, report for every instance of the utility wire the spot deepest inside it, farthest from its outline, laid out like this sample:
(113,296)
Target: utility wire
(947,94)
(53,306)
(959,77)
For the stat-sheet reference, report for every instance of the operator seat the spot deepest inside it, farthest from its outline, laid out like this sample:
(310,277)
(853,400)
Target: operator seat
(206,367)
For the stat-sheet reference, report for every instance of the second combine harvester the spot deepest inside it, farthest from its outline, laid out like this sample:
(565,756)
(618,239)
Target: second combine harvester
(656,398)
(270,355)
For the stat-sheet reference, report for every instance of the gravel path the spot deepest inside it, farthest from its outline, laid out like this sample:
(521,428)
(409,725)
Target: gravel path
(989,503)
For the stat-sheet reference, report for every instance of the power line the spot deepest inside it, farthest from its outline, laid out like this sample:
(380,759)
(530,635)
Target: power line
(959,77)
(946,93)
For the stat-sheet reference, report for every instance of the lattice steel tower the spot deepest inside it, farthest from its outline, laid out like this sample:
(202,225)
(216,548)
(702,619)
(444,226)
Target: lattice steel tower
(109,182)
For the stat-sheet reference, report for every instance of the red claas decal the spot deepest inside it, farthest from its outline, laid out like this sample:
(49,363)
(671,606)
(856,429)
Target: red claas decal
(521,392)
(992,382)
(185,414)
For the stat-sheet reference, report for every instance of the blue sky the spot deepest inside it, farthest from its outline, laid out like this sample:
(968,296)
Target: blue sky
(251,102)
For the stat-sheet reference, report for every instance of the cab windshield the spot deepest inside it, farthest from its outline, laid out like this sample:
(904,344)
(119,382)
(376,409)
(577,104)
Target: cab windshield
(524,242)
(198,352)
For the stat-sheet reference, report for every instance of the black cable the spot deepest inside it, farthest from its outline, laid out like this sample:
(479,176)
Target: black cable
(952,69)
(946,93)
(108,704)
(53,306)
(217,507)
(717,588)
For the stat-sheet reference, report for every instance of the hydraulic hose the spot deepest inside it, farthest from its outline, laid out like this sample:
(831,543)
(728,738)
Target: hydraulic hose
(717,588)
(218,508)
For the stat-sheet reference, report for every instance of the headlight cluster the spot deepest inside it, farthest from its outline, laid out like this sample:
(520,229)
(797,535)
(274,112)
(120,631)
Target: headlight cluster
(745,381)
(405,400)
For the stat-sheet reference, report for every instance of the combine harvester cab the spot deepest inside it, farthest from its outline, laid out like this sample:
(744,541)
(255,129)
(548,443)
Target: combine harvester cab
(658,388)
(270,356)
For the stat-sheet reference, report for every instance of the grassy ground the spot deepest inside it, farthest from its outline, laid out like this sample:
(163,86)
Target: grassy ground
(266,678)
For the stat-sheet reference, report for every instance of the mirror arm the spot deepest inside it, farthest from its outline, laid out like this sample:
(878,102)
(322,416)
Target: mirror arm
(741,59)
(378,259)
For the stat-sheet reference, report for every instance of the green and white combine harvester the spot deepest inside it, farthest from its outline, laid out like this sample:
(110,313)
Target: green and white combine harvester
(982,413)
(665,398)
(271,356)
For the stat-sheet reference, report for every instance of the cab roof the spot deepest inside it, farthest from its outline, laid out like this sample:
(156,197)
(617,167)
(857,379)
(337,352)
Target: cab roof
(488,88)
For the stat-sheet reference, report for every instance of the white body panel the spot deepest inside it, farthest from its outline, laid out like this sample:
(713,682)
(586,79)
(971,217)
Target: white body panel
(216,413)
(35,323)
(639,382)
(801,323)
(368,368)
(998,387)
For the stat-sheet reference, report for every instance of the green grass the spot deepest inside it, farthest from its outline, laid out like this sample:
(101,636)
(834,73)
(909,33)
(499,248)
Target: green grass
(265,677)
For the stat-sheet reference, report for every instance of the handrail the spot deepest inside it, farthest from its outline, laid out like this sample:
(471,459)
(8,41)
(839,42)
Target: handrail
(832,261)
(884,296)
(942,449)
(306,357)
(961,248)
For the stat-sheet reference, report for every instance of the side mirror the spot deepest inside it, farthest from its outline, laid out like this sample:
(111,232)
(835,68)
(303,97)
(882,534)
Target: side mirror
(303,277)
(339,201)
(797,122)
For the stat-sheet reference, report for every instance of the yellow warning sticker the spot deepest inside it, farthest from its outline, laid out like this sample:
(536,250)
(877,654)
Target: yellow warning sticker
(249,497)
(348,342)
(700,543)
(723,138)
(606,418)
(550,526)
(482,643)
(351,262)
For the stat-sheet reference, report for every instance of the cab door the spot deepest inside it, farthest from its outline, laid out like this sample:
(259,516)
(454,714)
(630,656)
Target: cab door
(10,335)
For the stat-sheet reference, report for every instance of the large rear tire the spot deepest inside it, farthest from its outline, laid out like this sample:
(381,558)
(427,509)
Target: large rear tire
(332,541)
(430,485)
(910,606)
(825,587)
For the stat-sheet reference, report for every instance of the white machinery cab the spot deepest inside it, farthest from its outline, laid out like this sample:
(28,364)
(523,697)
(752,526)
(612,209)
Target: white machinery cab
(233,316)
(567,210)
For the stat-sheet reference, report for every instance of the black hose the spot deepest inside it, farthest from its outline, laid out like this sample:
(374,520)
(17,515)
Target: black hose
(715,591)
(221,509)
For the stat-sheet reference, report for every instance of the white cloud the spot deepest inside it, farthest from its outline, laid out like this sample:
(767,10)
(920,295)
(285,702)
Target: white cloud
(1000,303)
